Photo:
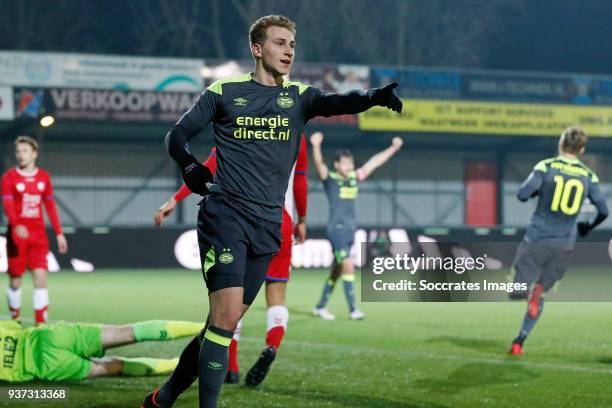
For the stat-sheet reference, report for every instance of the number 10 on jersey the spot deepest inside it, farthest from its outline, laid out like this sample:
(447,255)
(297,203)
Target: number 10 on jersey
(563,195)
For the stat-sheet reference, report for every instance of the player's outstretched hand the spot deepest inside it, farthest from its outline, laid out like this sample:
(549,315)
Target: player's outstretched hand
(316,139)
(583,228)
(387,97)
(62,244)
(164,211)
(397,142)
(195,176)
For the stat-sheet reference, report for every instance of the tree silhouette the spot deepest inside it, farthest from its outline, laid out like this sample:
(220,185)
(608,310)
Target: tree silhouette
(387,32)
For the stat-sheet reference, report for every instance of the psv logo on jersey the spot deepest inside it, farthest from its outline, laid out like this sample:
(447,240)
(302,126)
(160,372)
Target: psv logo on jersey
(284,100)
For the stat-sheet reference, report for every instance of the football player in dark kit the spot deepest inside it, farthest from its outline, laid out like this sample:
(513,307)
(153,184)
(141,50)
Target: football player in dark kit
(561,183)
(257,121)
(342,188)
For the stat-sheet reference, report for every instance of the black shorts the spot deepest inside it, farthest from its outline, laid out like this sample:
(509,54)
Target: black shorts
(341,241)
(235,249)
(541,262)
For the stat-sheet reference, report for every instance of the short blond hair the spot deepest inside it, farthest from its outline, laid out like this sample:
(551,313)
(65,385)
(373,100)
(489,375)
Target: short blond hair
(574,139)
(27,140)
(257,33)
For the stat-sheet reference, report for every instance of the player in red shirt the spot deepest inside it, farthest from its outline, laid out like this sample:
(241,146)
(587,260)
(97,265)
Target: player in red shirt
(25,189)
(278,270)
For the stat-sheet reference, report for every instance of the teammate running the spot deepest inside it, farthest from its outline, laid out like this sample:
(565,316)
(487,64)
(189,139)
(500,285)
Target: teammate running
(341,188)
(74,351)
(257,122)
(25,189)
(561,183)
(278,271)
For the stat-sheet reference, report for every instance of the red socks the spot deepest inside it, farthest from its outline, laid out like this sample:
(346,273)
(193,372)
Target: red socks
(233,357)
(275,336)
(40,315)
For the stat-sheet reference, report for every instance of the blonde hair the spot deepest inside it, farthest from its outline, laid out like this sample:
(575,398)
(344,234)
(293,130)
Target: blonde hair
(27,140)
(257,33)
(573,140)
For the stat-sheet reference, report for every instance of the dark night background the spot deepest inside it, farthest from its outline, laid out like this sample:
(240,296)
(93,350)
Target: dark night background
(564,36)
(545,35)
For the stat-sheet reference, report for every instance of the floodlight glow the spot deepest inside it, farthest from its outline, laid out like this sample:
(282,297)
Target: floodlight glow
(47,121)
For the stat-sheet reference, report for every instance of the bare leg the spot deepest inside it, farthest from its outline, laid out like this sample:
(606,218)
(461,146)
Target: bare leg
(15,282)
(39,278)
(133,367)
(226,308)
(108,366)
(115,336)
(275,293)
(151,330)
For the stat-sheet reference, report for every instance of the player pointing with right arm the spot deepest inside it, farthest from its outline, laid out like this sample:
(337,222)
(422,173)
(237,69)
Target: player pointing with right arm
(257,120)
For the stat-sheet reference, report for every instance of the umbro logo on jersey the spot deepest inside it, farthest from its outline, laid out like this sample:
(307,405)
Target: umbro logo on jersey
(240,102)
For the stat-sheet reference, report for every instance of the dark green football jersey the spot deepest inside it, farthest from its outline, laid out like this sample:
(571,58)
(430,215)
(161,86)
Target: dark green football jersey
(341,195)
(561,185)
(257,131)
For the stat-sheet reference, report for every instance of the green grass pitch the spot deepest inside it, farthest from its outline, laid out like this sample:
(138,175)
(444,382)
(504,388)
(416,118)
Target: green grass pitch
(401,355)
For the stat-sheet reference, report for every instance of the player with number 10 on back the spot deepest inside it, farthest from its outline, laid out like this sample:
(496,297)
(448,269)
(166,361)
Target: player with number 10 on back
(561,184)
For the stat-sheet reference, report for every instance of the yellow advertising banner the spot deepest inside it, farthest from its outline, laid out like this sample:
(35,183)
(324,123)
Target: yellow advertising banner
(495,118)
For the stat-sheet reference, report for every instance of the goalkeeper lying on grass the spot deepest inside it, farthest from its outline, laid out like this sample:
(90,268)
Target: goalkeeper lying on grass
(74,351)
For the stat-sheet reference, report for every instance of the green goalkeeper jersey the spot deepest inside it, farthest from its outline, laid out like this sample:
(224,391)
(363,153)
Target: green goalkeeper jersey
(13,340)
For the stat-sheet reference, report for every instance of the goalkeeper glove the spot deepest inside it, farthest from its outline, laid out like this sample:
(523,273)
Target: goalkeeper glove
(386,97)
(195,176)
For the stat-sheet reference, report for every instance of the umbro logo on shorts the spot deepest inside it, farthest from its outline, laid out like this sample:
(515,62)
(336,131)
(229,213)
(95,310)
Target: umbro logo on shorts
(214,365)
